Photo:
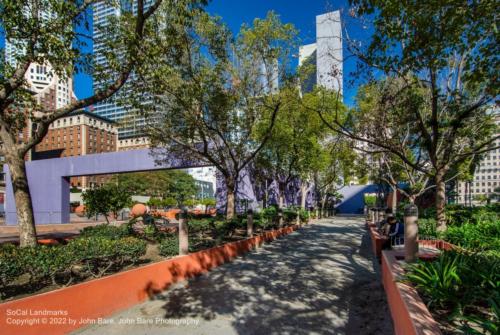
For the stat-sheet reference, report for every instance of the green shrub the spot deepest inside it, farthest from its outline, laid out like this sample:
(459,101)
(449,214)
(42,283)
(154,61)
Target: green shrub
(99,254)
(438,281)
(481,236)
(169,247)
(459,282)
(269,213)
(370,200)
(80,258)
(105,230)
(200,225)
(290,215)
(304,215)
(10,265)
(46,262)
(427,228)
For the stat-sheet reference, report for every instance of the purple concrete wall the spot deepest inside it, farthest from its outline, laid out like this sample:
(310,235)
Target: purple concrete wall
(49,179)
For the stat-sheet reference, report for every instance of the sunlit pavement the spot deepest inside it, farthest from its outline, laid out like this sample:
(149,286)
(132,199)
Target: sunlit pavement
(322,279)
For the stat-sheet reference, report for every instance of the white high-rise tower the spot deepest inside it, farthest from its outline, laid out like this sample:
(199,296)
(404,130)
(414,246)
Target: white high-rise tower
(325,54)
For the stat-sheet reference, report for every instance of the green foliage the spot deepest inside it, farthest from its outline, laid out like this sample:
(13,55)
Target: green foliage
(476,228)
(211,202)
(103,200)
(165,184)
(10,263)
(432,109)
(169,247)
(438,281)
(98,254)
(211,91)
(45,262)
(466,285)
(91,255)
(480,236)
(105,230)
(427,228)
(198,226)
(370,200)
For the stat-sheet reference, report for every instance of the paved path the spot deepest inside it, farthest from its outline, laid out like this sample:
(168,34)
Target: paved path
(321,279)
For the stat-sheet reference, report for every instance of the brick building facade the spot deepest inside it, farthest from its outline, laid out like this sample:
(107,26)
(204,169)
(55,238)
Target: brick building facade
(80,133)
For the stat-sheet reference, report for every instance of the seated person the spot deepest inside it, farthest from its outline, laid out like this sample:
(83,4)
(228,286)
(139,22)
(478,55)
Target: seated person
(388,214)
(395,231)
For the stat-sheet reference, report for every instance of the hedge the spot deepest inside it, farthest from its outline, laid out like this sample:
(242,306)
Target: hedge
(81,258)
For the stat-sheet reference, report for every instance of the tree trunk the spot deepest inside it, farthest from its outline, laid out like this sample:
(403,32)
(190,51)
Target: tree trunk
(231,205)
(303,194)
(323,204)
(281,189)
(411,199)
(394,199)
(440,201)
(24,206)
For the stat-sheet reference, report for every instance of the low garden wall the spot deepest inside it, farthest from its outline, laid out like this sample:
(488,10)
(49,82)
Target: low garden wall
(66,309)
(378,241)
(410,315)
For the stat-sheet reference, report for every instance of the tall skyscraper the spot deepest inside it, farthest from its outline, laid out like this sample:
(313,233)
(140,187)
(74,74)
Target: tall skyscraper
(325,55)
(129,124)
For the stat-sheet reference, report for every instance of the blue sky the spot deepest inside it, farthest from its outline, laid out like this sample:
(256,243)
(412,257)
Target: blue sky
(302,13)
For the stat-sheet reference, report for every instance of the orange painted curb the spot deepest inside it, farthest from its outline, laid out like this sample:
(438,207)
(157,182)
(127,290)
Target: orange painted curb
(378,241)
(410,315)
(104,296)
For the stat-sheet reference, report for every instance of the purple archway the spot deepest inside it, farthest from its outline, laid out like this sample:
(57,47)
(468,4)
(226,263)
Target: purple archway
(49,179)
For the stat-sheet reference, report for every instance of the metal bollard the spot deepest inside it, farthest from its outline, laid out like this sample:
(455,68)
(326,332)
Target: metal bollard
(183,233)
(411,233)
(250,223)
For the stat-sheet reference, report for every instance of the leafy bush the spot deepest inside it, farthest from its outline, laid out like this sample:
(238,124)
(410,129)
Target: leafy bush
(80,258)
(370,200)
(438,281)
(105,230)
(481,236)
(460,282)
(10,264)
(427,228)
(269,213)
(200,225)
(99,254)
(290,215)
(169,247)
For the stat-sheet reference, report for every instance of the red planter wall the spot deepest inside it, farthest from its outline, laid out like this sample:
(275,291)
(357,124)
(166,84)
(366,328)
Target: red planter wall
(104,296)
(410,315)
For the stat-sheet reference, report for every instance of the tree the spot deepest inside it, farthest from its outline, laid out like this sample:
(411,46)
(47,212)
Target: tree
(337,170)
(211,89)
(182,188)
(445,55)
(52,42)
(440,62)
(107,199)
(294,147)
(175,184)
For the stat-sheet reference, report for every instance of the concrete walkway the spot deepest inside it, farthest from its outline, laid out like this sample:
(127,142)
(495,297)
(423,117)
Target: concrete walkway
(321,279)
